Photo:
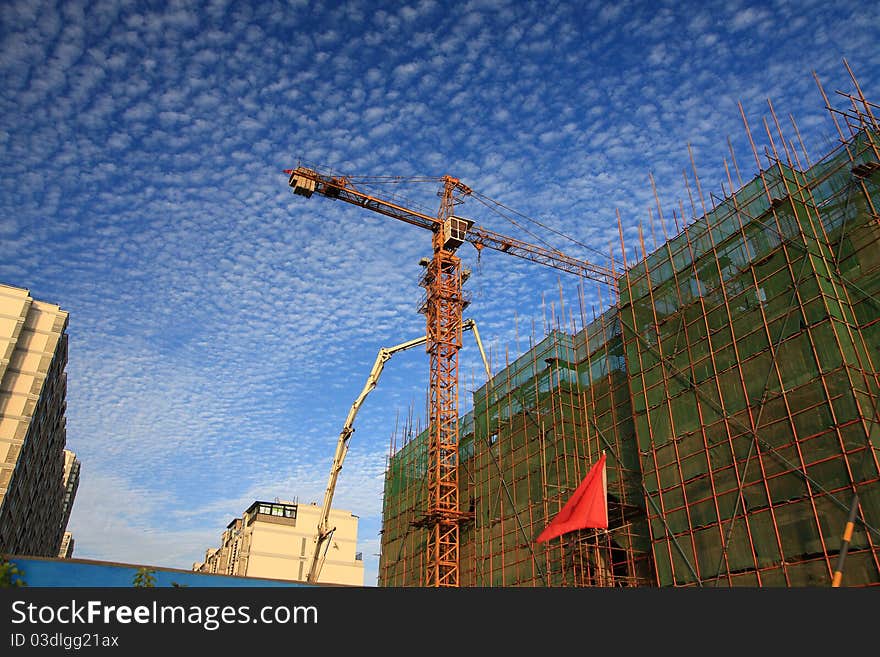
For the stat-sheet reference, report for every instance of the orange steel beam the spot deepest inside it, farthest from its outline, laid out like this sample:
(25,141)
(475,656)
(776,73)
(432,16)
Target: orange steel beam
(443,309)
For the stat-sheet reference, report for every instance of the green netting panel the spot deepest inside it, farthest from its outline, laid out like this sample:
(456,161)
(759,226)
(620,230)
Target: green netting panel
(833,518)
(684,413)
(557,346)
(755,495)
(699,488)
(764,538)
(677,518)
(832,185)
(728,504)
(792,220)
(778,284)
(742,440)
(669,476)
(738,552)
(753,342)
(745,322)
(808,394)
(759,375)
(868,405)
(860,569)
(702,367)
(797,530)
(673,499)
(786,487)
(830,356)
(796,362)
(637,285)
(708,543)
(725,356)
(853,436)
(407,466)
(812,573)
(732,396)
(599,333)
(665,455)
(662,563)
(778,460)
(813,420)
(829,474)
(711,404)
(683,563)
(695,332)
(703,514)
(716,432)
(863,238)
(749,579)
(777,433)
(863,465)
(720,456)
(773,577)
(660,425)
(869,501)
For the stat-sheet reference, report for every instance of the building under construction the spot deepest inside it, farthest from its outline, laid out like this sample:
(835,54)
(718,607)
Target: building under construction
(733,386)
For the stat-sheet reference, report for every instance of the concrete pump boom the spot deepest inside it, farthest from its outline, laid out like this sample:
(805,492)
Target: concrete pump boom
(325,532)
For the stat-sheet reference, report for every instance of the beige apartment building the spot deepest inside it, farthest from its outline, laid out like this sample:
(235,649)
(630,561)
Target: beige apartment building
(66,549)
(33,393)
(276,540)
(70,483)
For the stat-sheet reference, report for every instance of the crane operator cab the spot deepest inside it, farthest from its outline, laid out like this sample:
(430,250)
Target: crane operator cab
(454,231)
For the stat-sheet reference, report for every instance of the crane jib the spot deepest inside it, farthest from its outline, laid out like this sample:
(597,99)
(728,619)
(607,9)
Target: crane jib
(456,230)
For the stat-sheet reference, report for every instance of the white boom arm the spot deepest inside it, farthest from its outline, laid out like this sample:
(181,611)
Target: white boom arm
(385,353)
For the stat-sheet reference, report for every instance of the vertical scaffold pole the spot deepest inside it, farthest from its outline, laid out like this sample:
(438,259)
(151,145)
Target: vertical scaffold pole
(844,546)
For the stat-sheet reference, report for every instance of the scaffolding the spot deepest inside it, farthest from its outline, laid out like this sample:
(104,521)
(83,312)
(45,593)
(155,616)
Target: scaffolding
(734,388)
(534,432)
(751,349)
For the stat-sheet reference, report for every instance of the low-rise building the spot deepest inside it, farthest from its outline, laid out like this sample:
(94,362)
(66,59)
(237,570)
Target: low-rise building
(277,540)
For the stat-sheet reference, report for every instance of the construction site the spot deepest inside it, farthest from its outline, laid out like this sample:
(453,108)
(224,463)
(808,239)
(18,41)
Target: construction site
(731,381)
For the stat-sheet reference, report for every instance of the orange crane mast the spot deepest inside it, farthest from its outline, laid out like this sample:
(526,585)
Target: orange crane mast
(443,307)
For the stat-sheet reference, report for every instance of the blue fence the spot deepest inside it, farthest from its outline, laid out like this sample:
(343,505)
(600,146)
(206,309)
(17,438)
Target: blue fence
(41,572)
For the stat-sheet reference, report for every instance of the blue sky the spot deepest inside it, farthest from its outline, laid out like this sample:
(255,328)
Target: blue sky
(220,327)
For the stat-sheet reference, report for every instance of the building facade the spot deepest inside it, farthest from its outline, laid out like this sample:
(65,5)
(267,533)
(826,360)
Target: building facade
(72,468)
(66,549)
(33,391)
(752,357)
(276,540)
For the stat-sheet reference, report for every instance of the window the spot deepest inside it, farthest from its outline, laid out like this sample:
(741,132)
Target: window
(278,510)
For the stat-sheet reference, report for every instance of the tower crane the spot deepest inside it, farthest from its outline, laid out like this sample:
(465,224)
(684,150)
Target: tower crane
(443,306)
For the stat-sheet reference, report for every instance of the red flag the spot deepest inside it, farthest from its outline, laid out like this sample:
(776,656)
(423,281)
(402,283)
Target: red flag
(588,506)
